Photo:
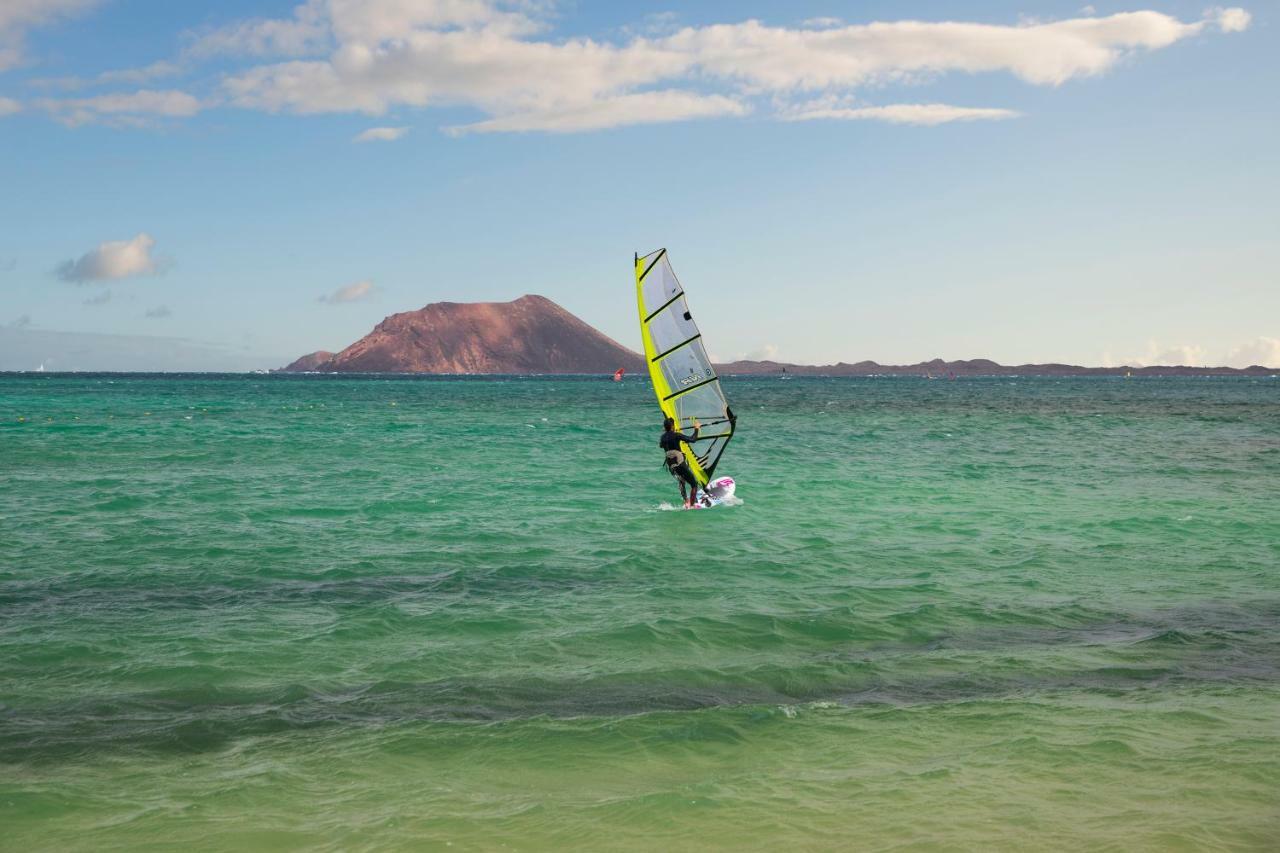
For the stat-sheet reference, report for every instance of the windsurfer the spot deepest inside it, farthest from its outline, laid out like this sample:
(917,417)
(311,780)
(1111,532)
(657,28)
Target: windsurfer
(675,461)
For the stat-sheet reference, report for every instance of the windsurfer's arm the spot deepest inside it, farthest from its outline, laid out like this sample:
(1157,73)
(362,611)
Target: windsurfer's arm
(697,427)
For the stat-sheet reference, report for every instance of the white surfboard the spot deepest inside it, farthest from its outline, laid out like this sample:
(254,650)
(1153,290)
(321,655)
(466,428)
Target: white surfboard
(718,491)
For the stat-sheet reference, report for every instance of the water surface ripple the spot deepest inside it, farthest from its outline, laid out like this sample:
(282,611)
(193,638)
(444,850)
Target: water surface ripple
(265,612)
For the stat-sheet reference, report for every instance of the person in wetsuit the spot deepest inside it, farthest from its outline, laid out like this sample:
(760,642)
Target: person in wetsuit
(675,461)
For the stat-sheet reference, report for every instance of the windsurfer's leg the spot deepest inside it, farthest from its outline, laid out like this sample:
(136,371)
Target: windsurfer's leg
(675,472)
(686,476)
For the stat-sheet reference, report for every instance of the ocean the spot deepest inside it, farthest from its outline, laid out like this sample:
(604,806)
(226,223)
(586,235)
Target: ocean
(244,612)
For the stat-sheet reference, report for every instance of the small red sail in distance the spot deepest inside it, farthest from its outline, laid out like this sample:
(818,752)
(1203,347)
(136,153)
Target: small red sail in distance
(617,374)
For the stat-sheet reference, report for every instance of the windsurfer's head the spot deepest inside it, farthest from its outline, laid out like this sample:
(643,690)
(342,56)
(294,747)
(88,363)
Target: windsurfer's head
(669,423)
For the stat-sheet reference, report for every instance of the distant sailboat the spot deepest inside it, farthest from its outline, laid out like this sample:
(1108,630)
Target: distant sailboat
(40,369)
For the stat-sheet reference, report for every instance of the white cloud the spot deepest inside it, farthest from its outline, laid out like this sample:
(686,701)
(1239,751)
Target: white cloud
(375,21)
(17,17)
(381,134)
(419,53)
(920,114)
(822,23)
(1261,350)
(8,106)
(113,260)
(1230,20)
(351,293)
(779,60)
(638,108)
(131,108)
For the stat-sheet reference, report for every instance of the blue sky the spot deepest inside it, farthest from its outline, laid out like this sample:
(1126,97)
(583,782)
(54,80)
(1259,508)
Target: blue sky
(230,185)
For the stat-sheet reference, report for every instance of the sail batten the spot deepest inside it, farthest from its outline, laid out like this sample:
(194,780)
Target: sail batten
(676,347)
(684,379)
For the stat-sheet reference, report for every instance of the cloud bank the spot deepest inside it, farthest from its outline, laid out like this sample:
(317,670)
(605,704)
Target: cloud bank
(112,260)
(386,54)
(499,59)
(1261,350)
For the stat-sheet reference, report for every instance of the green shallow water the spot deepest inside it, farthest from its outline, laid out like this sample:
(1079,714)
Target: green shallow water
(252,612)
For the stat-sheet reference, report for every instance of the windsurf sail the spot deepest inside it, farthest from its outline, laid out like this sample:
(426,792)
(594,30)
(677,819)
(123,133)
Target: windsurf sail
(683,378)
(617,374)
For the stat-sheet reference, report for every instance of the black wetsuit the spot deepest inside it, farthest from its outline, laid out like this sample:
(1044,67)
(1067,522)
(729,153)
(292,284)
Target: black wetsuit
(671,441)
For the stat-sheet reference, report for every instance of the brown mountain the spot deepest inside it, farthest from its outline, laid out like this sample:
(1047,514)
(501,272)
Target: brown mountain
(532,334)
(310,361)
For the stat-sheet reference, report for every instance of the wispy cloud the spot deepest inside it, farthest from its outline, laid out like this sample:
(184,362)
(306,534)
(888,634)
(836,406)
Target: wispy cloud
(305,34)
(381,134)
(113,260)
(767,352)
(18,17)
(351,293)
(8,106)
(919,114)
(98,299)
(159,312)
(127,76)
(137,76)
(638,108)
(131,108)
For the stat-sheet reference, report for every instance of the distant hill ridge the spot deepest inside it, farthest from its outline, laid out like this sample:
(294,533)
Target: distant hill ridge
(532,334)
(940,369)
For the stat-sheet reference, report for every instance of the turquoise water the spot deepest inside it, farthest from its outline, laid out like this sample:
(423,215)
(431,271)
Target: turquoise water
(276,612)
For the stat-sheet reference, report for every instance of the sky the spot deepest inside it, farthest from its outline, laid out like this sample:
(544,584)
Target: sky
(227,186)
